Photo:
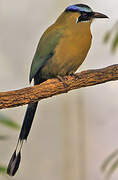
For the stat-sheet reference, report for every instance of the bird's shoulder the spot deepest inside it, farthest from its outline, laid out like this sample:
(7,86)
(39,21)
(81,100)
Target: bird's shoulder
(50,38)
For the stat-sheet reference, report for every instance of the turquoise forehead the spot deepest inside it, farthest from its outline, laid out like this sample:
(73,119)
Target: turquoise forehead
(81,8)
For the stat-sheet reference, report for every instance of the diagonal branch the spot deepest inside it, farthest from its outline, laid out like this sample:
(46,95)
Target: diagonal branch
(53,87)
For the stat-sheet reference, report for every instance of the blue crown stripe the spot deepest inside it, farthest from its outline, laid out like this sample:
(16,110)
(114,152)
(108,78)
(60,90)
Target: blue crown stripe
(77,8)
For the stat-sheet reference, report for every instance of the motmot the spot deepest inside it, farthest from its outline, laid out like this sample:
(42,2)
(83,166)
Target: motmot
(61,50)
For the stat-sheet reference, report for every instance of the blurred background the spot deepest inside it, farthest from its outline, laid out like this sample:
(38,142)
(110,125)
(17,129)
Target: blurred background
(72,133)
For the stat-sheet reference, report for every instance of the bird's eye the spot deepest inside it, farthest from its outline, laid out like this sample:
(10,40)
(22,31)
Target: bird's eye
(84,14)
(82,17)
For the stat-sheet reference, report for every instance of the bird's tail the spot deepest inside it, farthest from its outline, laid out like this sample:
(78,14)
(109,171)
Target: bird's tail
(27,123)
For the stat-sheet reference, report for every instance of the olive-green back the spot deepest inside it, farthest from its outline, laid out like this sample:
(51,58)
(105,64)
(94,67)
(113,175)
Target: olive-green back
(45,49)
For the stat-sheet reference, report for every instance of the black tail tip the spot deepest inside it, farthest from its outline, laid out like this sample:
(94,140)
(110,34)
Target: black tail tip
(14,164)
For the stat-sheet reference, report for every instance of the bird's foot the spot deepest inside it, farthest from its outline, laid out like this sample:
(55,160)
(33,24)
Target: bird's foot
(62,80)
(74,75)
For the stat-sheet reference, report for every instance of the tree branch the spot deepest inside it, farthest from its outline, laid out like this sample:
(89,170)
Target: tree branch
(53,87)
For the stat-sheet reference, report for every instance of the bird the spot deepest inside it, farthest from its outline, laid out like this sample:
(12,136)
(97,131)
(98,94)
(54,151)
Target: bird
(61,50)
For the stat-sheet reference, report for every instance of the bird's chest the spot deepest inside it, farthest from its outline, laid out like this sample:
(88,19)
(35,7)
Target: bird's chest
(73,48)
(68,54)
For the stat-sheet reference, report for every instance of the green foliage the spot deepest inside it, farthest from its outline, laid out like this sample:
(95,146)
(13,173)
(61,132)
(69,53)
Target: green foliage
(115,42)
(3,169)
(5,121)
(113,36)
(107,36)
(4,137)
(110,164)
(8,122)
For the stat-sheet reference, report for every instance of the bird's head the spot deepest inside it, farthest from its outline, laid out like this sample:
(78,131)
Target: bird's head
(85,13)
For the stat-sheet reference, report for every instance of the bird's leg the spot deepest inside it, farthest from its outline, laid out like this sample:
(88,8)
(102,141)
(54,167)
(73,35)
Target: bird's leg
(74,75)
(62,80)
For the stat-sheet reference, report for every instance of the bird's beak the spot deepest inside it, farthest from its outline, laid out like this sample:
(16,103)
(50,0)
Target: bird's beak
(99,15)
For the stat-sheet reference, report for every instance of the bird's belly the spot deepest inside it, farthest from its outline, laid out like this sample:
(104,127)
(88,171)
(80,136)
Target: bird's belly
(68,56)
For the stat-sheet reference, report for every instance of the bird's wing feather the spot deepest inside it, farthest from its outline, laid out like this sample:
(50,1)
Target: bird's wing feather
(45,49)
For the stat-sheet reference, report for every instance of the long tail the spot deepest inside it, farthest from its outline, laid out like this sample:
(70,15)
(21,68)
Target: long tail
(27,123)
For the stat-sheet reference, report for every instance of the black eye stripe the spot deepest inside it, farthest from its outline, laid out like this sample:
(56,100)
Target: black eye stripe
(85,16)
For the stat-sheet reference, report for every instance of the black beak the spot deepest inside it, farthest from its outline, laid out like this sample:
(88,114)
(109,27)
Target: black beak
(99,15)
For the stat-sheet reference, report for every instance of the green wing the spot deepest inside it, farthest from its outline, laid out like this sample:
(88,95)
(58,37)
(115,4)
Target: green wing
(45,49)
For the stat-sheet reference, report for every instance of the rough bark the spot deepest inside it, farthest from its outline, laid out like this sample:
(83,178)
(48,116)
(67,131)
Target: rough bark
(54,87)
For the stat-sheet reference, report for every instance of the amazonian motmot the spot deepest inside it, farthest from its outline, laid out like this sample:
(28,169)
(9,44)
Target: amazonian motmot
(61,50)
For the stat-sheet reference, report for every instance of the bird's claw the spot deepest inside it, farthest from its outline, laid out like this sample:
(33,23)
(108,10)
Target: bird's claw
(63,81)
(75,76)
